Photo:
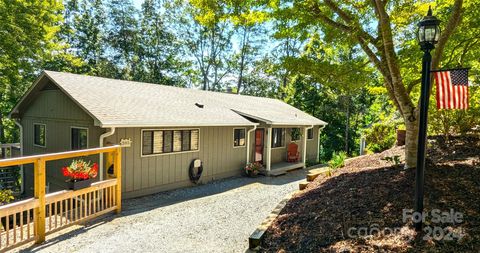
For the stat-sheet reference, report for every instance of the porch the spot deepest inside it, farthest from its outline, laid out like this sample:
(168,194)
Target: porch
(282,168)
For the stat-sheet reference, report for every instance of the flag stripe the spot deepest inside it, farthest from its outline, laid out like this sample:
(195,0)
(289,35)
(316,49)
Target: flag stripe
(452,89)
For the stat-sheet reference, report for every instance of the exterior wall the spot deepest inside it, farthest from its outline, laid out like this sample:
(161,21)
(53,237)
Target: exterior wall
(150,174)
(59,113)
(141,175)
(312,146)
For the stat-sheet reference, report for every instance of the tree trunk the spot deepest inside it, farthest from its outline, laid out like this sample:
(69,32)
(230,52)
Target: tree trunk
(347,124)
(411,142)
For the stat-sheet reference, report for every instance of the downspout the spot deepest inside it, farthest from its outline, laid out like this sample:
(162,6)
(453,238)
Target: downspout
(248,142)
(102,138)
(20,127)
(304,150)
(318,141)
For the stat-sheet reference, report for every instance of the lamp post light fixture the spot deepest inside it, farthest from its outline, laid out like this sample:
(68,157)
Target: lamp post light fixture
(428,35)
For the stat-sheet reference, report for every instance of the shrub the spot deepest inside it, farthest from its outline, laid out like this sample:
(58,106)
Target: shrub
(393,159)
(380,137)
(338,160)
(6,196)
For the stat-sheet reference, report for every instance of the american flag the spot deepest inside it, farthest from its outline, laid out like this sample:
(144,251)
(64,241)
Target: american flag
(452,89)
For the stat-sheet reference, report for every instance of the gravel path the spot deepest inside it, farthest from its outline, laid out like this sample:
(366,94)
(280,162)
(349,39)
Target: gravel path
(216,217)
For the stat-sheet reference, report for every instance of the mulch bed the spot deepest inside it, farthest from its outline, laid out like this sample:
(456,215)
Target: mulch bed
(372,193)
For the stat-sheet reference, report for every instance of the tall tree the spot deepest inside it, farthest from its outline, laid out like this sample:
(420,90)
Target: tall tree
(383,30)
(27,29)
(158,47)
(207,37)
(123,37)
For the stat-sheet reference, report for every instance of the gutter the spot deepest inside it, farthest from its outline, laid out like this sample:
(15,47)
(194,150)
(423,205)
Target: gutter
(20,127)
(102,138)
(248,142)
(318,141)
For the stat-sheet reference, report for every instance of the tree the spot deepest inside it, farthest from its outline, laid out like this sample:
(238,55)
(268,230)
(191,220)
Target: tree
(27,29)
(370,25)
(123,37)
(158,47)
(207,37)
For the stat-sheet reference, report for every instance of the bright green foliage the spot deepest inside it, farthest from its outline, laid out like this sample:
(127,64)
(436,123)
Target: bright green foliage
(393,159)
(6,196)
(380,137)
(337,161)
(27,32)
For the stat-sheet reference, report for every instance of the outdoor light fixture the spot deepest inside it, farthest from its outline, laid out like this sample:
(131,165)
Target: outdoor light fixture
(428,32)
(428,35)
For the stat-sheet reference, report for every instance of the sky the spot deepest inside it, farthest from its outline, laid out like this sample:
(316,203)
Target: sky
(138,3)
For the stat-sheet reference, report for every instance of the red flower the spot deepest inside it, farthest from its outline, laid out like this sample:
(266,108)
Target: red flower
(65,171)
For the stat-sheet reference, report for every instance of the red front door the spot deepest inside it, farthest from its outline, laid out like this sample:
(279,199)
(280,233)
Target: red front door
(259,133)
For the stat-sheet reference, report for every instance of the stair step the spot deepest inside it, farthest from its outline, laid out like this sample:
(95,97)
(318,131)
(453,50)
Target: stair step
(303,185)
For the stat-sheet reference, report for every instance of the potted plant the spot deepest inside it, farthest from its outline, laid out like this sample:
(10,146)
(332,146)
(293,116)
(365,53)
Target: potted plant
(252,169)
(80,174)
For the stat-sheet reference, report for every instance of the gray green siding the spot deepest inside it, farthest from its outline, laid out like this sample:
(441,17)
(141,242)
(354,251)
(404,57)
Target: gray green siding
(59,113)
(149,174)
(141,175)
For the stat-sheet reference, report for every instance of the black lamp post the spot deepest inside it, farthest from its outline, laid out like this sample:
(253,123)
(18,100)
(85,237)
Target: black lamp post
(428,35)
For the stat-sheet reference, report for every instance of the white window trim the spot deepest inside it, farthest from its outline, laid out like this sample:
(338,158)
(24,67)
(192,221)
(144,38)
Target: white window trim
(169,153)
(284,138)
(84,128)
(40,124)
(233,137)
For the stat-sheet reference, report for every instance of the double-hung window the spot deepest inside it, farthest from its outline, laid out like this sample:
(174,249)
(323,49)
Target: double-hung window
(169,141)
(79,138)
(239,137)
(295,134)
(278,137)
(40,135)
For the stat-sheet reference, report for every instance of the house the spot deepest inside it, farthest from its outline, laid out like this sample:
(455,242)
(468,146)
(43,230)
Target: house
(168,127)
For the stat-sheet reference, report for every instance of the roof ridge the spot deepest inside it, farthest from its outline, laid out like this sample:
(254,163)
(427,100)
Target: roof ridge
(163,85)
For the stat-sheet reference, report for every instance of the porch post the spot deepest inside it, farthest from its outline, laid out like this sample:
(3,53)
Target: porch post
(304,147)
(269,149)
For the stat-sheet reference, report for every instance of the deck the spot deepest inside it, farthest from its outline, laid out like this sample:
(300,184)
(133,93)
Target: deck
(282,168)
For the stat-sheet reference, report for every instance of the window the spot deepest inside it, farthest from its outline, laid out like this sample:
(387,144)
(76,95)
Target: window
(39,135)
(278,137)
(169,141)
(295,134)
(186,140)
(79,138)
(310,133)
(239,137)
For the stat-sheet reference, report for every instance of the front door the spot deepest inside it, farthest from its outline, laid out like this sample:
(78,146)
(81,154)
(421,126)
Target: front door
(259,134)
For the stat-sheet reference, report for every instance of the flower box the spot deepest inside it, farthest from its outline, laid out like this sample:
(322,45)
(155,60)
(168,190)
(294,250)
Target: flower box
(80,174)
(79,184)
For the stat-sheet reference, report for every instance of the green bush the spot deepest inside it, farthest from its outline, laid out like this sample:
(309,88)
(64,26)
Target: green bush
(380,137)
(6,196)
(338,160)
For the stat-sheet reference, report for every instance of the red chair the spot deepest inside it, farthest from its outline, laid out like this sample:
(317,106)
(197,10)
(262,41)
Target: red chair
(292,153)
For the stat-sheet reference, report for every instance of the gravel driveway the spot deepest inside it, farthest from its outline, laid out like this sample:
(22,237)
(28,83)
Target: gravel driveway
(216,217)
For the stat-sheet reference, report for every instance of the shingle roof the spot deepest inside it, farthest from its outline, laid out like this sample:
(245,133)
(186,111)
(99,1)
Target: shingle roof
(127,103)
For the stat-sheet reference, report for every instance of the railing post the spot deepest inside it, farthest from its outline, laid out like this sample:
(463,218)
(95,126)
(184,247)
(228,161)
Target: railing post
(39,219)
(118,174)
